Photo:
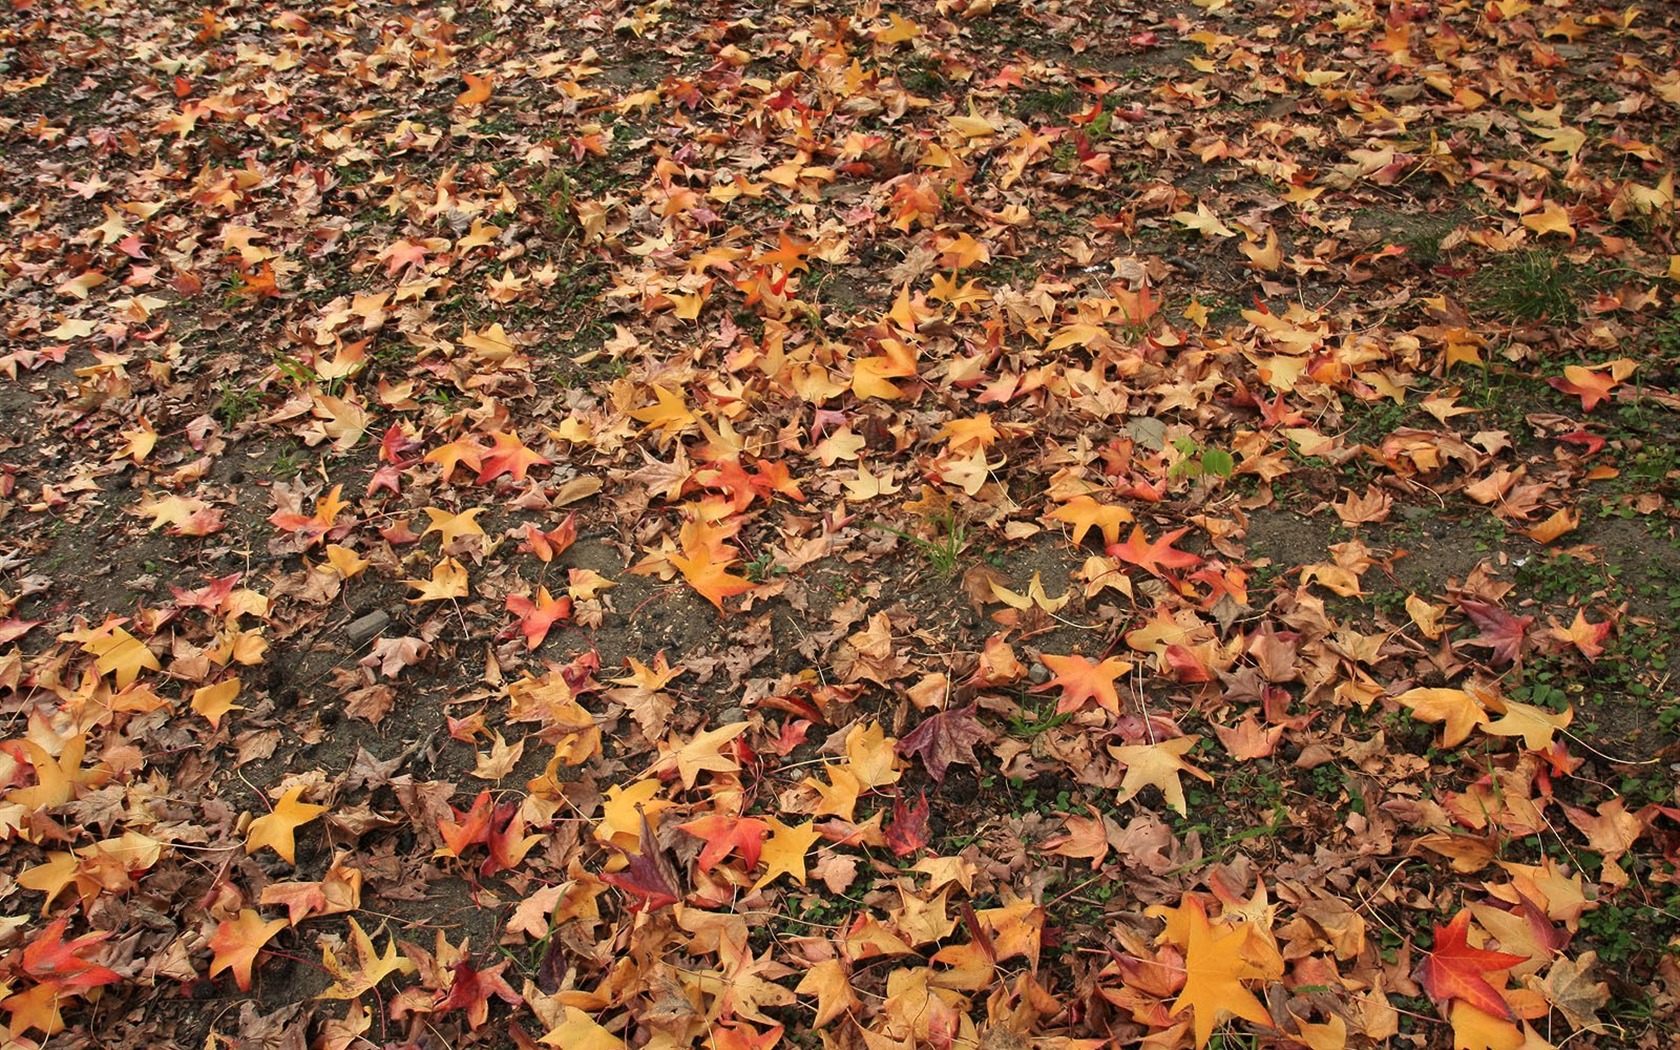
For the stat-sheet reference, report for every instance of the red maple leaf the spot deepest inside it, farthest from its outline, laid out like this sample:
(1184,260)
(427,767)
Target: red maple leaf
(945,738)
(50,958)
(1454,970)
(1154,557)
(648,875)
(471,989)
(1501,632)
(908,831)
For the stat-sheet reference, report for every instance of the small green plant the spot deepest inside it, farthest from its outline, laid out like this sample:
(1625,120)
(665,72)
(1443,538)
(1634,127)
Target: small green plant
(1534,286)
(234,404)
(1199,462)
(944,550)
(764,567)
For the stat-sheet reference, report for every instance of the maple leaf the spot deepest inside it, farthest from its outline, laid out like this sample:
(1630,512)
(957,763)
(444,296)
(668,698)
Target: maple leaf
(832,985)
(371,966)
(946,738)
(1156,556)
(537,616)
(1080,680)
(49,957)
(214,701)
(1456,709)
(642,692)
(1587,637)
(1157,765)
(314,526)
(789,254)
(470,990)
(237,941)
(908,831)
(1592,385)
(1501,632)
(1570,988)
(668,415)
(449,580)
(1476,1029)
(784,852)
(451,527)
(724,834)
(469,828)
(1085,514)
(648,874)
(1214,969)
(703,753)
(578,1031)
(870,753)
(1534,724)
(116,652)
(1454,971)
(463,451)
(477,93)
(549,545)
(508,456)
(276,828)
(705,562)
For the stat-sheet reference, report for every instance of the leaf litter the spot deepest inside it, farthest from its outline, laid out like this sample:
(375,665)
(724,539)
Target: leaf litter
(952,524)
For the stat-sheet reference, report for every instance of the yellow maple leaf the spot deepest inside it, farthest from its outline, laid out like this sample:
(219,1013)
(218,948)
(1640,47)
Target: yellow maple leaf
(872,755)
(276,829)
(784,852)
(832,986)
(1457,710)
(668,414)
(116,652)
(453,526)
(214,701)
(1535,725)
(371,967)
(449,580)
(701,754)
(1158,765)
(579,1031)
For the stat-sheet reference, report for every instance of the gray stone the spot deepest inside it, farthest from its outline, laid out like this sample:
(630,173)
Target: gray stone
(364,629)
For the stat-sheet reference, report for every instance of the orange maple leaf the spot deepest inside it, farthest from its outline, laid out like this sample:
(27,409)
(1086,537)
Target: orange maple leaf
(1081,680)
(1594,384)
(509,456)
(236,943)
(1085,514)
(1154,557)
(705,562)
(725,834)
(1214,969)
(463,450)
(314,526)
(478,90)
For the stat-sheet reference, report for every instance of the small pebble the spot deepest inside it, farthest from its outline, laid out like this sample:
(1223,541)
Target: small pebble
(1038,674)
(731,715)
